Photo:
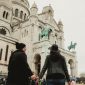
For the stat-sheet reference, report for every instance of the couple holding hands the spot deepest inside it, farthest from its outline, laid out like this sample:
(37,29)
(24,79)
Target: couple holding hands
(19,70)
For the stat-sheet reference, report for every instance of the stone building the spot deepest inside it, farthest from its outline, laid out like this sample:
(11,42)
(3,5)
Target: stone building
(21,23)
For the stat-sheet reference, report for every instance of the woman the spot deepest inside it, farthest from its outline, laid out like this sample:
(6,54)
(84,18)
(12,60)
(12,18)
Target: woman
(18,68)
(55,65)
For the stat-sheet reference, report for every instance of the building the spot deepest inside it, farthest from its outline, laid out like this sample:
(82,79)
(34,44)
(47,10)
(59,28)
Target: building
(19,22)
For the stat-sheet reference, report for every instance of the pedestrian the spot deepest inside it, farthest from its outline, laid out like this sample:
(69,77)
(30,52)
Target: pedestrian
(19,72)
(73,81)
(55,65)
(44,82)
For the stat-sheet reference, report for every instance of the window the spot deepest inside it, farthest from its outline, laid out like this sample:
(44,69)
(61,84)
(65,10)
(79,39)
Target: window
(16,12)
(3,31)
(22,0)
(6,55)
(27,32)
(21,14)
(1,53)
(4,13)
(25,16)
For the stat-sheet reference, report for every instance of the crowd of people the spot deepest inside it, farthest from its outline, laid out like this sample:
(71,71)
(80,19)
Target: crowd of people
(19,72)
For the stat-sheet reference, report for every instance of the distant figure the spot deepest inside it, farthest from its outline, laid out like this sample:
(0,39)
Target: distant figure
(44,82)
(18,68)
(55,65)
(73,81)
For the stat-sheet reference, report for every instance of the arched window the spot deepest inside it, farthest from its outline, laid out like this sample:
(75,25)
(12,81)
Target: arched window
(1,53)
(6,55)
(25,32)
(25,16)
(21,14)
(37,62)
(6,15)
(16,12)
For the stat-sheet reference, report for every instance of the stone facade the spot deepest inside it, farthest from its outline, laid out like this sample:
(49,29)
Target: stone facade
(37,31)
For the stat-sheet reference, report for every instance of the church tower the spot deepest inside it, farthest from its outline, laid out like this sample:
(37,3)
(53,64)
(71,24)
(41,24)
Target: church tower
(48,12)
(61,34)
(33,9)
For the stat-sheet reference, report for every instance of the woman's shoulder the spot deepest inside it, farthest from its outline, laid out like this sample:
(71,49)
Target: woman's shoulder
(48,56)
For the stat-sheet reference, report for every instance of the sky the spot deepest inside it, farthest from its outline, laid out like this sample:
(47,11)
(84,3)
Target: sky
(72,14)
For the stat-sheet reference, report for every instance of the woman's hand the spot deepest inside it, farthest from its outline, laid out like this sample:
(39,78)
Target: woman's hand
(69,83)
(33,77)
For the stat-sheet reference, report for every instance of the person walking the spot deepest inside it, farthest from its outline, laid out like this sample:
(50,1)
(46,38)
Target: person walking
(55,65)
(19,72)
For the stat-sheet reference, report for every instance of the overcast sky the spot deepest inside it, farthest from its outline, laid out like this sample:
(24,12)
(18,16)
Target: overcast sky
(72,14)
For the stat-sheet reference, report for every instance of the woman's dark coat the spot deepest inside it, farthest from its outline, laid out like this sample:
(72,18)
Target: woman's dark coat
(56,67)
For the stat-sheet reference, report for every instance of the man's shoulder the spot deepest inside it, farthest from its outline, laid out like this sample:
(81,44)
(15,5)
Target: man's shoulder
(62,57)
(19,53)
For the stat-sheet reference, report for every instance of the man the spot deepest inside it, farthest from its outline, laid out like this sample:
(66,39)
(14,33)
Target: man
(19,71)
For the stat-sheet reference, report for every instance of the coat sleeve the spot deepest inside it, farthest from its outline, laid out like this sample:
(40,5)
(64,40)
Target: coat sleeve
(66,70)
(44,68)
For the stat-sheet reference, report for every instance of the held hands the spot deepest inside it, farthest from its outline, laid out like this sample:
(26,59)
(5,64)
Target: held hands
(69,83)
(34,77)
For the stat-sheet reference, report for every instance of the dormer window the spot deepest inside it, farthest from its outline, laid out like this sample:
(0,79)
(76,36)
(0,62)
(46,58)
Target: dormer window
(16,12)
(25,16)
(21,14)
(5,14)
(49,10)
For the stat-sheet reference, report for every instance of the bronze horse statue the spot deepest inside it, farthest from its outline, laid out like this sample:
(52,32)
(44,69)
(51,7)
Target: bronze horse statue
(72,46)
(45,32)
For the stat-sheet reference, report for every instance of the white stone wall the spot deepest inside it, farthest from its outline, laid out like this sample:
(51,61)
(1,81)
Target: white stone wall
(4,41)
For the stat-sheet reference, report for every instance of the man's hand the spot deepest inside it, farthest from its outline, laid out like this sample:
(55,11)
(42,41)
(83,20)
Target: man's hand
(69,83)
(33,77)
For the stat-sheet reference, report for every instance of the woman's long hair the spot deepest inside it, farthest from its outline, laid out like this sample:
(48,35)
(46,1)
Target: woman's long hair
(55,55)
